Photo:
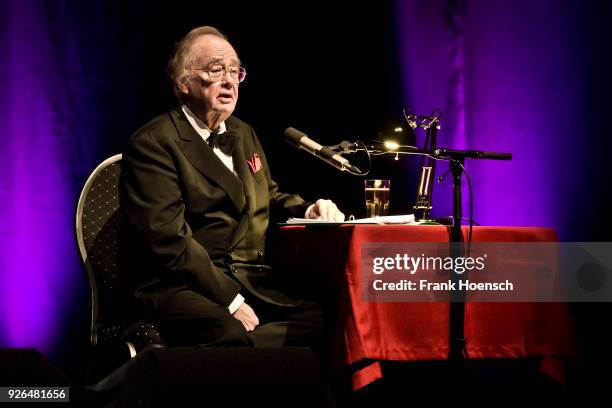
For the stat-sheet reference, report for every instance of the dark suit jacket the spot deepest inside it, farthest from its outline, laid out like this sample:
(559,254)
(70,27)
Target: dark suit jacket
(191,223)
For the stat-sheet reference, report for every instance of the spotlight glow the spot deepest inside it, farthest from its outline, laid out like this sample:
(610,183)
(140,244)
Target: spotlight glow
(391,145)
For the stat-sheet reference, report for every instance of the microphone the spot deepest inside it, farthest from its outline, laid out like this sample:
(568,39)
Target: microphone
(300,140)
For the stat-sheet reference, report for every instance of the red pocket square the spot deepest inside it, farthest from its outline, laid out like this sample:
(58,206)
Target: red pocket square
(254,163)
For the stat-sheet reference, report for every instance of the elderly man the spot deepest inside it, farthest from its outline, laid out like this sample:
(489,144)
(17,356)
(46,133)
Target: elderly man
(197,193)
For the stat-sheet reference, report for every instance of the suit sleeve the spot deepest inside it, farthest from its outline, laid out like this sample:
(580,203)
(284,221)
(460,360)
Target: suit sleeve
(290,205)
(152,202)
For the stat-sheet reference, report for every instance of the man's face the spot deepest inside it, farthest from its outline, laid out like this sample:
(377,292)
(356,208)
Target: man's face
(209,51)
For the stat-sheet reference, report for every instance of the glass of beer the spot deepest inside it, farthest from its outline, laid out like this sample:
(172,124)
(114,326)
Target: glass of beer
(377,197)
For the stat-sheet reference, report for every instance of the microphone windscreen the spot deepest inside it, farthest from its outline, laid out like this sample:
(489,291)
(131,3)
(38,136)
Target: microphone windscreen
(293,135)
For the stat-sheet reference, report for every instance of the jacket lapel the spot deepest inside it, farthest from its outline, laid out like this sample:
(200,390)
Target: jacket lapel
(206,161)
(248,183)
(245,174)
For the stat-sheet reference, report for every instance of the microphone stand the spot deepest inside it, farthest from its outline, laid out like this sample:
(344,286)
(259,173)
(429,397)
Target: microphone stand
(456,318)
(456,159)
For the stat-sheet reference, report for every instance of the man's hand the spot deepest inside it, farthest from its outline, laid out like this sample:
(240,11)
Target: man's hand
(325,210)
(247,317)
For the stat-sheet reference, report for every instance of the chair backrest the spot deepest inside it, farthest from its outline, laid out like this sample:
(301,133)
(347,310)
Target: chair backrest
(98,222)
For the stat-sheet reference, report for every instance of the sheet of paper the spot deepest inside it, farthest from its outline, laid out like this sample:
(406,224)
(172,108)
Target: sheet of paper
(391,219)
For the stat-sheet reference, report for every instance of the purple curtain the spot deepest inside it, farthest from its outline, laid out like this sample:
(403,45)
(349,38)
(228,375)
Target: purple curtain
(50,142)
(509,76)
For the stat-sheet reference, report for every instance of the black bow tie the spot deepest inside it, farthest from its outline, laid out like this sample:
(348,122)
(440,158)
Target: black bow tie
(225,141)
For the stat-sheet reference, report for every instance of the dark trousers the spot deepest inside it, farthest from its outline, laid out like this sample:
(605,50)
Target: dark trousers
(189,318)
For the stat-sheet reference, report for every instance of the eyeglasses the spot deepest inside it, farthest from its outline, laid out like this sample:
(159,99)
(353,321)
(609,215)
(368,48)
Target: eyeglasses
(217,72)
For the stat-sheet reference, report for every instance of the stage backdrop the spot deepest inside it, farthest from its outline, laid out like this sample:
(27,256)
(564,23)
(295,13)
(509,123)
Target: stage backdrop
(524,77)
(530,78)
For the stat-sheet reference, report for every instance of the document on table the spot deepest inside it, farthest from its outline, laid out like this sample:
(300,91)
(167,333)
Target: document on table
(390,219)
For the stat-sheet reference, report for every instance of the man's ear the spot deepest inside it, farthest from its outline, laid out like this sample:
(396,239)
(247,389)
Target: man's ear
(182,85)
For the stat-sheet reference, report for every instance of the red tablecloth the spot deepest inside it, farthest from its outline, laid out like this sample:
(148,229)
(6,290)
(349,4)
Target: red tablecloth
(410,331)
